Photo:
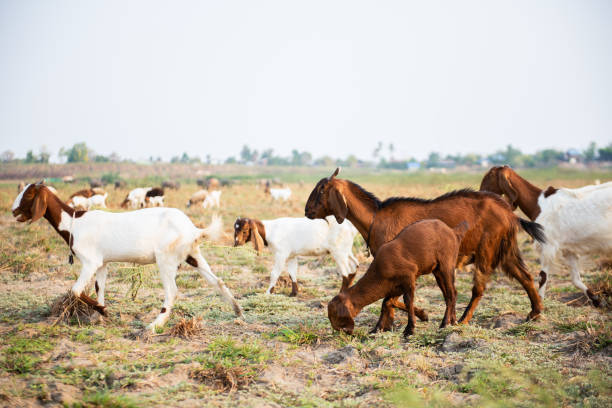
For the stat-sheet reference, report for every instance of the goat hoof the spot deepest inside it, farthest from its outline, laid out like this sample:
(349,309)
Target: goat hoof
(593,298)
(533,316)
(293,294)
(101,310)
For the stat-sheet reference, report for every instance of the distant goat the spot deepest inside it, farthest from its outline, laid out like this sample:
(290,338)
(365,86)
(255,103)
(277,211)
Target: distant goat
(174,185)
(154,197)
(82,203)
(212,199)
(289,238)
(135,198)
(279,193)
(197,197)
(165,236)
(577,222)
(427,246)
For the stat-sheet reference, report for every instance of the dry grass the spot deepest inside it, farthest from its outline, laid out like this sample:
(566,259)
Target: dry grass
(187,328)
(224,378)
(277,357)
(68,307)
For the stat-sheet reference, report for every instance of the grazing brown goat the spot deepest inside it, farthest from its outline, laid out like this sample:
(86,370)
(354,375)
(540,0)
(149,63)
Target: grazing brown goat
(427,246)
(489,242)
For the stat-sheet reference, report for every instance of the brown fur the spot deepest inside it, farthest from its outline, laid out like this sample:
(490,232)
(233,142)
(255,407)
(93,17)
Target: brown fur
(490,241)
(427,246)
(250,230)
(88,192)
(38,201)
(154,192)
(519,192)
(550,191)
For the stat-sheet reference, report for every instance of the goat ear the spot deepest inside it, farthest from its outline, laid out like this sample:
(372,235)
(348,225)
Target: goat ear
(39,205)
(335,173)
(507,188)
(256,238)
(337,205)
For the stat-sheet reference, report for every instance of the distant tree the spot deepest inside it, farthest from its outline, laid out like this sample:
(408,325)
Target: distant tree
(76,154)
(548,157)
(44,155)
(245,154)
(590,154)
(231,160)
(324,161)
(391,150)
(377,150)
(605,153)
(99,158)
(114,157)
(267,154)
(7,156)
(30,158)
(433,160)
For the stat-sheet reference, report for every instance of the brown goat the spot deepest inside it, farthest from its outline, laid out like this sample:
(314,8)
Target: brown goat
(519,192)
(427,246)
(489,242)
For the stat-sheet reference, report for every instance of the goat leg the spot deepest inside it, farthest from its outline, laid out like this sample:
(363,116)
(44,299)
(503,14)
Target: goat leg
(93,303)
(385,321)
(420,313)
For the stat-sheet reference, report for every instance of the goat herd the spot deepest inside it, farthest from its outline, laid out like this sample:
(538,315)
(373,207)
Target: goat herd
(407,237)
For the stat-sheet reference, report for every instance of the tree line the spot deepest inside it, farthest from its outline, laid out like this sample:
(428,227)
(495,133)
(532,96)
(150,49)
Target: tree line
(381,157)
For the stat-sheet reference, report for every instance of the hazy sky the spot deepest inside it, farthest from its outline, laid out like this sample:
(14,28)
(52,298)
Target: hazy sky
(333,77)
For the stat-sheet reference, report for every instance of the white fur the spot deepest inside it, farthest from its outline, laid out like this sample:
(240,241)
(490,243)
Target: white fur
(136,197)
(212,199)
(156,201)
(291,237)
(165,236)
(280,193)
(17,201)
(576,222)
(83,203)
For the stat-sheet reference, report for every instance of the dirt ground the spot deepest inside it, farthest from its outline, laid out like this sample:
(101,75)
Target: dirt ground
(286,353)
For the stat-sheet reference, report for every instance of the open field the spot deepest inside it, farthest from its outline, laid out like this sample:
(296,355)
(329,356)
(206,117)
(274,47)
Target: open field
(286,353)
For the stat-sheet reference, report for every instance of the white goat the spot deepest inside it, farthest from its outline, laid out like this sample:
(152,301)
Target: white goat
(80,202)
(212,199)
(165,236)
(156,201)
(289,238)
(576,222)
(136,198)
(280,193)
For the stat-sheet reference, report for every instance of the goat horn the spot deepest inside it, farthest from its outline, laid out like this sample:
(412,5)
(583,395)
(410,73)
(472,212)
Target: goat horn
(335,173)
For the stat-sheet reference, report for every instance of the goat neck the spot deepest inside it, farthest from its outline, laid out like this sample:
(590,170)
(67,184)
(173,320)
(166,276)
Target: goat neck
(361,211)
(527,199)
(366,291)
(53,214)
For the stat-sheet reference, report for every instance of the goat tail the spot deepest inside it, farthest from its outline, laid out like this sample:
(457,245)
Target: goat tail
(214,231)
(535,230)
